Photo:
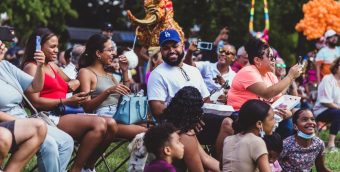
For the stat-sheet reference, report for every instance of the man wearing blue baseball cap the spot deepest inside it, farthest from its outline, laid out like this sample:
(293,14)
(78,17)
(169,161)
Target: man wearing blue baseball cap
(172,75)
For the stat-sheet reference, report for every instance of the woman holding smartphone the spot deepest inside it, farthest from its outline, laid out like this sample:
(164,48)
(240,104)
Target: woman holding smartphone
(88,130)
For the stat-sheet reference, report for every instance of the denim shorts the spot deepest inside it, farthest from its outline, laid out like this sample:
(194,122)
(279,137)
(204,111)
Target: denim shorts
(107,111)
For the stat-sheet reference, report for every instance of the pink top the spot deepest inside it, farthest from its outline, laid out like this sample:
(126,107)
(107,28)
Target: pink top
(247,76)
(275,166)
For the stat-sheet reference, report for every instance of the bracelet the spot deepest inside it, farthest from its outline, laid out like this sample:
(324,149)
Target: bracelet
(126,80)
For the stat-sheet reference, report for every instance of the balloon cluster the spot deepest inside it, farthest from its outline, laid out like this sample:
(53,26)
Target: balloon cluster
(319,16)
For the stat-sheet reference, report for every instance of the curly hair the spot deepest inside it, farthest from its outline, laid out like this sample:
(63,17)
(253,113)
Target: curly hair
(335,66)
(157,137)
(185,109)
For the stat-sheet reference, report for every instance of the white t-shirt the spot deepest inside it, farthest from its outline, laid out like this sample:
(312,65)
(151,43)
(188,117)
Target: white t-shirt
(209,71)
(166,80)
(328,92)
(327,55)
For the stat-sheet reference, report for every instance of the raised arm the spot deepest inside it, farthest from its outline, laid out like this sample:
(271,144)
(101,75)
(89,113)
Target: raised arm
(48,103)
(188,57)
(261,89)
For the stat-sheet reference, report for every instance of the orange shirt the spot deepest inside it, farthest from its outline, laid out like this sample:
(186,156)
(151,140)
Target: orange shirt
(247,76)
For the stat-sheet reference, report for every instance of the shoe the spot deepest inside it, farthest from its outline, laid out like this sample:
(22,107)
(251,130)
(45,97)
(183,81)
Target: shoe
(87,170)
(332,149)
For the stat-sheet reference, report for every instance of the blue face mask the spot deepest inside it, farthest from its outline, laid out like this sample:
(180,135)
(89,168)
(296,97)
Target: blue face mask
(305,136)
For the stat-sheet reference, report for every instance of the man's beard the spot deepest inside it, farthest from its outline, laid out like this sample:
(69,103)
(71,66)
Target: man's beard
(331,44)
(174,63)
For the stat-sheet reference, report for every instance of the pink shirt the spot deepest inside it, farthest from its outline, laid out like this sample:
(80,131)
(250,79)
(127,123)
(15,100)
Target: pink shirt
(275,166)
(247,76)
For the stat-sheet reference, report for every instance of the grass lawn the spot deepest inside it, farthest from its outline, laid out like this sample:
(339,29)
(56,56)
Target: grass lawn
(332,159)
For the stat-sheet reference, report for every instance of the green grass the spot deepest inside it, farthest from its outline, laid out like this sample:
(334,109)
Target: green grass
(332,159)
(113,160)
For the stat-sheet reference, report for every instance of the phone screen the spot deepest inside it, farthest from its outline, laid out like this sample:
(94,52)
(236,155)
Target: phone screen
(204,45)
(37,43)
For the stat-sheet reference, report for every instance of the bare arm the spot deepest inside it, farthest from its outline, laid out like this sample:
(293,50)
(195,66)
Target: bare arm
(331,105)
(73,85)
(157,107)
(6,117)
(318,75)
(262,90)
(47,103)
(188,57)
(263,163)
(38,80)
(192,157)
(86,79)
(209,162)
(320,163)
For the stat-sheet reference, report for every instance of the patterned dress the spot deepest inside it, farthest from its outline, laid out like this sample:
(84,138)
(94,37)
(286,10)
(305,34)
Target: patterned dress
(295,158)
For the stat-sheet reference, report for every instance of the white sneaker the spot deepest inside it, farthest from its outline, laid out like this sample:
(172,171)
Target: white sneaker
(87,170)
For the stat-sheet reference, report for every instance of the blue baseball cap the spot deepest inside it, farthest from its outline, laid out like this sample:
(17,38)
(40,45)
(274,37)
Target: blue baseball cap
(168,35)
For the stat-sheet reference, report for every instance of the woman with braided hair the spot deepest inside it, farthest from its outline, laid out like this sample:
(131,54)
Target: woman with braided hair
(185,112)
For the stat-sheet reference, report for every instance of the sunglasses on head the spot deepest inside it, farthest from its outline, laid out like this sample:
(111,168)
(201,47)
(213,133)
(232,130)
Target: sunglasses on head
(280,65)
(226,52)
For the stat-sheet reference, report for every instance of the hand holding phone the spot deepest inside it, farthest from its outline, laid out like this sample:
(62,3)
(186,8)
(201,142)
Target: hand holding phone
(205,45)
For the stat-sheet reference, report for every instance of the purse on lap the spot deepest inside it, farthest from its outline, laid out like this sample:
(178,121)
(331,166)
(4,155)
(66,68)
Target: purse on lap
(132,109)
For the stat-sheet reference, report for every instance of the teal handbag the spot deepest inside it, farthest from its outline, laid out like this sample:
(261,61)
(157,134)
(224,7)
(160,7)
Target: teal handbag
(132,109)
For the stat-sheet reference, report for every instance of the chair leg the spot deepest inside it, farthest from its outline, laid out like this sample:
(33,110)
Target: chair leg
(106,164)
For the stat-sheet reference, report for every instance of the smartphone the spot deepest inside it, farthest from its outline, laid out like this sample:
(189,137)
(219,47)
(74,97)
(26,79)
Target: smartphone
(37,43)
(204,45)
(7,33)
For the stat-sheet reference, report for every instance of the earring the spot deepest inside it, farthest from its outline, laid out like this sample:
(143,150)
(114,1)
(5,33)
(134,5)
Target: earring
(262,133)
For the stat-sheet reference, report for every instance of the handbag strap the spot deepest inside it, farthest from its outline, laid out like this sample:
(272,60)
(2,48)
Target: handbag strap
(23,95)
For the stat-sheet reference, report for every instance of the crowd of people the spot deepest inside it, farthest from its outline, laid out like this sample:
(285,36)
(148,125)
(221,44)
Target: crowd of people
(95,75)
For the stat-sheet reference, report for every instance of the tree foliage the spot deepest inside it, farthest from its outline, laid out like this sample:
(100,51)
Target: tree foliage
(26,15)
(212,15)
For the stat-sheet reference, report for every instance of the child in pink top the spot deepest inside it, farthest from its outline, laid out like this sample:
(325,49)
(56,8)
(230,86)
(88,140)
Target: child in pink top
(274,145)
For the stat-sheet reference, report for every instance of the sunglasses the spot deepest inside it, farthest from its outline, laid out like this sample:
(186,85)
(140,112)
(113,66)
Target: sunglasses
(226,52)
(280,65)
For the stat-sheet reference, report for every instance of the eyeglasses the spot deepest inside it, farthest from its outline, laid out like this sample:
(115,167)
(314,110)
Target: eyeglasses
(272,58)
(109,49)
(185,75)
(226,52)
(280,65)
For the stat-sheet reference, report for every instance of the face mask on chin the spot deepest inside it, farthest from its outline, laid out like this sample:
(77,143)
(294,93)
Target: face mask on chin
(305,136)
